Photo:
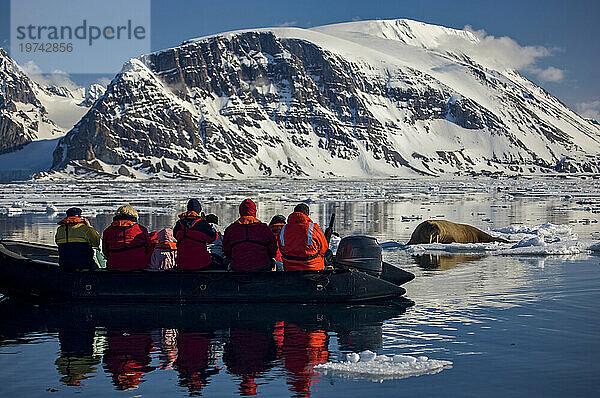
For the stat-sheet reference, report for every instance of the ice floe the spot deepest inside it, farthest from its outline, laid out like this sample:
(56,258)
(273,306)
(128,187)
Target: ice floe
(370,366)
(542,239)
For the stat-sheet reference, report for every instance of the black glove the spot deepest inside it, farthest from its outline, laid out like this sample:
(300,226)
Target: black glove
(211,218)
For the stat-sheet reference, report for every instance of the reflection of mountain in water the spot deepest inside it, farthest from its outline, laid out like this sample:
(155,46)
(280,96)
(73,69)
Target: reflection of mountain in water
(375,207)
(251,340)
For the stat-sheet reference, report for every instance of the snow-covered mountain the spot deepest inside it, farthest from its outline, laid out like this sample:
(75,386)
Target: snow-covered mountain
(32,118)
(371,98)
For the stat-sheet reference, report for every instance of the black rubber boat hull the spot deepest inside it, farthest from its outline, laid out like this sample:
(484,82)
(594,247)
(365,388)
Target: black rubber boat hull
(23,277)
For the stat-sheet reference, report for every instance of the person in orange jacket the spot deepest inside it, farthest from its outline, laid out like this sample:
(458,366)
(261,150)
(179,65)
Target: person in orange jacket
(303,244)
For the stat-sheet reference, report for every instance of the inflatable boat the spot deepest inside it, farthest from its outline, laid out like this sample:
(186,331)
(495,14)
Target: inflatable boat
(31,271)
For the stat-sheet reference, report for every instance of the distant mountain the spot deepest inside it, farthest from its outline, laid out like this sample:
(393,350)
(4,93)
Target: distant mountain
(92,93)
(21,111)
(372,98)
(32,118)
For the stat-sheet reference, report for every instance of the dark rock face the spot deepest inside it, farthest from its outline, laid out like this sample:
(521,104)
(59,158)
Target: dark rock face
(228,100)
(17,128)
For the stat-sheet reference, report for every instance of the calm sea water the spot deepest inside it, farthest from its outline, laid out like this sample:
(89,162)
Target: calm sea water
(511,325)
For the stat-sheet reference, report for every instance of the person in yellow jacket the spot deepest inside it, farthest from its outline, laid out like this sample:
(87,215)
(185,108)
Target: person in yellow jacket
(76,240)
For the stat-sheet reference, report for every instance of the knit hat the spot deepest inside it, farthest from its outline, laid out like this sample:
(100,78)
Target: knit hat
(127,210)
(278,219)
(194,205)
(248,208)
(74,212)
(302,208)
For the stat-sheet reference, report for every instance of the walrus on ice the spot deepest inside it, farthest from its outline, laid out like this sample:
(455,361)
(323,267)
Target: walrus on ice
(442,231)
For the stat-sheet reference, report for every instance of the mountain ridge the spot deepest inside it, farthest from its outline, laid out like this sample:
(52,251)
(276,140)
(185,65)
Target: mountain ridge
(359,99)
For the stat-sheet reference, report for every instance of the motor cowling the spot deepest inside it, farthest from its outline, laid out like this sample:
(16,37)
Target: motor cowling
(359,252)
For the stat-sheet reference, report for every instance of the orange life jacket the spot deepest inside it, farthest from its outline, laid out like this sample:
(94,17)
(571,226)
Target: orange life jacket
(303,244)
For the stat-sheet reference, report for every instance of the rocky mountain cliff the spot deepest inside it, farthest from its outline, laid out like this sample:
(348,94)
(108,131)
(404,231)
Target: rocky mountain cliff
(369,98)
(20,110)
(33,115)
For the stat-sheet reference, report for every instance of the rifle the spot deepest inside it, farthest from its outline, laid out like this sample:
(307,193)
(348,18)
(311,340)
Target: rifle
(329,229)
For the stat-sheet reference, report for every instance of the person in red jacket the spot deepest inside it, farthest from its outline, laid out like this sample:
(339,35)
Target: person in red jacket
(125,243)
(303,244)
(248,243)
(193,232)
(277,222)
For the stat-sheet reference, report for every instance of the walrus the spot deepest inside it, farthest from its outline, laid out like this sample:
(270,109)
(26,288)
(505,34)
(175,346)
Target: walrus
(442,231)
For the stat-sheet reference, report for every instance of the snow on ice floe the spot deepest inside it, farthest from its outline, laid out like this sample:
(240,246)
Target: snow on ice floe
(542,239)
(370,366)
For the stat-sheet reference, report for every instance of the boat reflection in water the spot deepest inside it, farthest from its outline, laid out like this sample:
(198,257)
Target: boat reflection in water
(132,343)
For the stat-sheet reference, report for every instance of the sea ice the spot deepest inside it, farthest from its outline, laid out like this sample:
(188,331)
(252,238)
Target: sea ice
(543,239)
(370,366)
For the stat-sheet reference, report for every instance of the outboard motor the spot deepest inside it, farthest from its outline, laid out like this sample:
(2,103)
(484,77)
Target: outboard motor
(359,252)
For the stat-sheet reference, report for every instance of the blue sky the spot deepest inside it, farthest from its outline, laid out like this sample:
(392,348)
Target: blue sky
(568,30)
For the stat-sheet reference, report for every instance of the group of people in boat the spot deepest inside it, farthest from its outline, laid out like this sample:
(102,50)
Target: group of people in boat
(295,243)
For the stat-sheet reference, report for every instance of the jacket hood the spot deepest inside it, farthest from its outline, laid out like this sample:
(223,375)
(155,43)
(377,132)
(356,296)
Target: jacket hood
(123,223)
(71,220)
(189,214)
(165,235)
(298,218)
(125,217)
(248,220)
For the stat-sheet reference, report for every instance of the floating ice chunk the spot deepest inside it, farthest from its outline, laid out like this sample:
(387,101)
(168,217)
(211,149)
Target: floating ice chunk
(527,242)
(390,244)
(366,356)
(542,229)
(404,359)
(51,209)
(368,365)
(352,357)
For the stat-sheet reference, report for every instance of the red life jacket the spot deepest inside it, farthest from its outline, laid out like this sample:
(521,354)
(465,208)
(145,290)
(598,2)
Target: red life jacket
(127,246)
(249,244)
(193,233)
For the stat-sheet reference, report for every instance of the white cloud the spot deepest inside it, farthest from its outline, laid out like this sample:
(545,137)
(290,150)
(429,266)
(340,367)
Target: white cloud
(56,78)
(503,53)
(550,74)
(589,109)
